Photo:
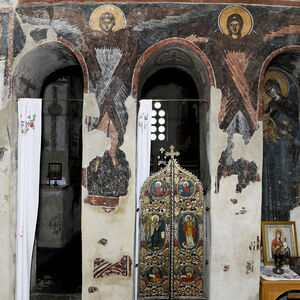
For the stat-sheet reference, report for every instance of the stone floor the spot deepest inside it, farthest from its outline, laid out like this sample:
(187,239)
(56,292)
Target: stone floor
(59,272)
(51,296)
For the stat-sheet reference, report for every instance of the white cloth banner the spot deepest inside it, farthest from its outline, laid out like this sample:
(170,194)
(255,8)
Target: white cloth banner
(29,150)
(143,153)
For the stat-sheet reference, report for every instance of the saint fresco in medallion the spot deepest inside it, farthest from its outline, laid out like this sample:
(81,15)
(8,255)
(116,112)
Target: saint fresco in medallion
(155,232)
(188,232)
(107,19)
(235,21)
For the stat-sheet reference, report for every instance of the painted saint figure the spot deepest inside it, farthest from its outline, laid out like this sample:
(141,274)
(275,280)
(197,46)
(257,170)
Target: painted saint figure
(107,22)
(234,25)
(281,145)
(186,188)
(188,275)
(154,275)
(279,104)
(155,232)
(159,189)
(189,230)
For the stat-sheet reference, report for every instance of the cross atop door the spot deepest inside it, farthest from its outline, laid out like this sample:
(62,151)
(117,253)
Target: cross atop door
(172,154)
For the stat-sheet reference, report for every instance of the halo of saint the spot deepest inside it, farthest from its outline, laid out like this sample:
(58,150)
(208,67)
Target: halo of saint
(235,21)
(282,81)
(107,19)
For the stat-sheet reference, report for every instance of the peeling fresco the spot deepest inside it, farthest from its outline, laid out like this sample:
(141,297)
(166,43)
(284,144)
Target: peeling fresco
(249,267)
(236,38)
(5,55)
(254,245)
(2,152)
(39,34)
(19,37)
(246,171)
(4,32)
(234,201)
(226,268)
(111,38)
(102,242)
(104,268)
(93,289)
(242,211)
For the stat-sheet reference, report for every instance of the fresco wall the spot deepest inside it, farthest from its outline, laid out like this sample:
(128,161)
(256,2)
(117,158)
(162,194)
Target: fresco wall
(108,40)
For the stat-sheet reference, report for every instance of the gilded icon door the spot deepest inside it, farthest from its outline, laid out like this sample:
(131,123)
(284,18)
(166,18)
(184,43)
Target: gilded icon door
(172,235)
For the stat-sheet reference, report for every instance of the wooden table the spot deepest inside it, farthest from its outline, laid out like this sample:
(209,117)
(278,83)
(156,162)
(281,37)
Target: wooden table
(271,289)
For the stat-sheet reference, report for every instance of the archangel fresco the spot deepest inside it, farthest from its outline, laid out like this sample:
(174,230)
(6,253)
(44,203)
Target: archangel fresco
(188,231)
(281,145)
(110,52)
(155,232)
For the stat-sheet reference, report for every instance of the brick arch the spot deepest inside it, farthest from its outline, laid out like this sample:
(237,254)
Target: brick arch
(81,62)
(164,44)
(263,72)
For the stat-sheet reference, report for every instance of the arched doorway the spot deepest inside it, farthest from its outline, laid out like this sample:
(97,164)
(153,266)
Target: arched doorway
(175,76)
(176,69)
(280,92)
(53,72)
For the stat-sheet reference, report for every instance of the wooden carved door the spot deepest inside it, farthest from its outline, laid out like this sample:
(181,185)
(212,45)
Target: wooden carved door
(172,235)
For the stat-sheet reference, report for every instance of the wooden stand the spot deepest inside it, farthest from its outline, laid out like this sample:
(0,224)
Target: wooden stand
(271,289)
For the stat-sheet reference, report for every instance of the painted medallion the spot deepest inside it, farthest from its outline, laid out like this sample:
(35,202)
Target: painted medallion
(185,188)
(158,189)
(235,21)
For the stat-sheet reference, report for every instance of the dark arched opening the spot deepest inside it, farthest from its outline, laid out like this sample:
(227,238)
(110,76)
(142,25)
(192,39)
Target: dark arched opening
(52,72)
(169,83)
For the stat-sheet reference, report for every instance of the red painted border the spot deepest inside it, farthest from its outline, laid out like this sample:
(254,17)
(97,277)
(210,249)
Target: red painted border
(262,75)
(80,60)
(295,3)
(162,44)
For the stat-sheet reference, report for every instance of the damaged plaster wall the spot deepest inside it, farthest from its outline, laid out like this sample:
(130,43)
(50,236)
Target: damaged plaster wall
(9,3)
(7,209)
(109,128)
(108,234)
(235,216)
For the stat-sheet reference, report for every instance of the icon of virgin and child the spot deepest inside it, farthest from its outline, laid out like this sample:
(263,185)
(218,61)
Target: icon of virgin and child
(279,244)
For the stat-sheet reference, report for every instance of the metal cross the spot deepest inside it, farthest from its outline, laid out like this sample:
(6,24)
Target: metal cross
(172,154)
